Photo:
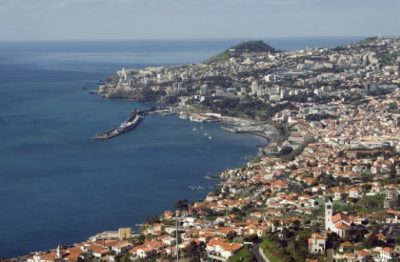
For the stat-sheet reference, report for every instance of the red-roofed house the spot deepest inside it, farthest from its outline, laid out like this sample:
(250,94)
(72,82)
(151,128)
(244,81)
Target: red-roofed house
(221,250)
(142,251)
(337,193)
(362,255)
(279,185)
(387,254)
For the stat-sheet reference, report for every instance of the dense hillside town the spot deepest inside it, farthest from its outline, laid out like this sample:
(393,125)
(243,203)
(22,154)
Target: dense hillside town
(325,189)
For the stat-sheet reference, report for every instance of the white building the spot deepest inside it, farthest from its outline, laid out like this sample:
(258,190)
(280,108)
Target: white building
(220,250)
(387,254)
(316,244)
(338,223)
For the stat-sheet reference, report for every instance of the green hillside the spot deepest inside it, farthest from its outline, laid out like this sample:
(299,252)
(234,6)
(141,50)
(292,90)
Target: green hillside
(244,47)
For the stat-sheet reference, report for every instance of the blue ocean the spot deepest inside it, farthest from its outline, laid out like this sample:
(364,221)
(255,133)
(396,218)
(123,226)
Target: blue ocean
(57,186)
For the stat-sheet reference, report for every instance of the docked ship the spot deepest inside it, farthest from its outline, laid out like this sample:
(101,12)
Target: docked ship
(131,123)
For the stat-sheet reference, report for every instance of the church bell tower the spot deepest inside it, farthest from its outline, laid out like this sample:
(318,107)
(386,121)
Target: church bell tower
(328,213)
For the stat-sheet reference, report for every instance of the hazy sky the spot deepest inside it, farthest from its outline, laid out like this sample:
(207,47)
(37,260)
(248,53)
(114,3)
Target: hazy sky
(148,19)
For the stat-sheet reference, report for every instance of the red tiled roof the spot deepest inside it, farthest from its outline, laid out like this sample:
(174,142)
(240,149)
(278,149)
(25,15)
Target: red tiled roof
(346,244)
(73,253)
(232,247)
(317,236)
(388,250)
(362,253)
(342,226)
(340,217)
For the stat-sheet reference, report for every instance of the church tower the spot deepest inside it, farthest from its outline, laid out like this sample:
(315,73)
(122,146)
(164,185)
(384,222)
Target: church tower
(58,253)
(328,213)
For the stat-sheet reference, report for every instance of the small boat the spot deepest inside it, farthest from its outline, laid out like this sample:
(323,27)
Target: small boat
(183,116)
(194,129)
(205,134)
(197,188)
(210,137)
(211,177)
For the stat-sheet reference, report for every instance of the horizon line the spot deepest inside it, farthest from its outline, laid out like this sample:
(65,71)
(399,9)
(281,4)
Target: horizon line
(187,39)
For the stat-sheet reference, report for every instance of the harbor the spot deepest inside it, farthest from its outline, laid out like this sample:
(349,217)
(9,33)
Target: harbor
(234,125)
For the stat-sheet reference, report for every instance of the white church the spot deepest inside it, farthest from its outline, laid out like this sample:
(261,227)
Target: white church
(338,223)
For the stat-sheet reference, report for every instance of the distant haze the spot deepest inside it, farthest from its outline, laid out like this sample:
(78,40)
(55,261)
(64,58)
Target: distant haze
(171,19)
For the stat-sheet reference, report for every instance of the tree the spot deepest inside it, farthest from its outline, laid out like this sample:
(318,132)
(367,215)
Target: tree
(316,227)
(366,177)
(371,241)
(296,225)
(372,202)
(344,180)
(252,238)
(86,257)
(148,95)
(366,188)
(182,204)
(153,220)
(393,106)
(286,150)
(328,180)
(141,239)
(123,257)
(393,172)
(333,241)
(193,251)
(230,236)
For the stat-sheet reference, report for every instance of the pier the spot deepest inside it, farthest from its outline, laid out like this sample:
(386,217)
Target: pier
(131,123)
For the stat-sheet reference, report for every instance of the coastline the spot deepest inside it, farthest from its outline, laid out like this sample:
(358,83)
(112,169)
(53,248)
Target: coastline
(274,172)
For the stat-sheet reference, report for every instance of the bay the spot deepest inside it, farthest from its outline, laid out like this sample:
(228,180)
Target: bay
(59,186)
